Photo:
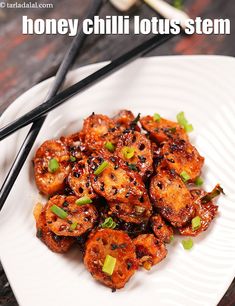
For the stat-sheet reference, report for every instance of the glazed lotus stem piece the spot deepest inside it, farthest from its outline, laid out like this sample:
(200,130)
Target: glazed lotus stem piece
(23,153)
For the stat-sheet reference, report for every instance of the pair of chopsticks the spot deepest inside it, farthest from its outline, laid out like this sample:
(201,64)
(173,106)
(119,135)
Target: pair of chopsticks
(28,143)
(37,115)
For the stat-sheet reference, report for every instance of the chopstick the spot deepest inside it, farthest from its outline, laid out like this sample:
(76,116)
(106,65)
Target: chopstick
(67,62)
(84,84)
(65,95)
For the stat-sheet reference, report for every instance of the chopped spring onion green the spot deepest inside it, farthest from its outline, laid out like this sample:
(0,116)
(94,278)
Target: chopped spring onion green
(185,177)
(59,211)
(83,201)
(128,152)
(199,181)
(184,122)
(196,223)
(188,128)
(109,146)
(101,167)
(109,223)
(156,117)
(73,159)
(73,226)
(132,167)
(178,4)
(109,265)
(187,244)
(53,165)
(213,194)
(172,238)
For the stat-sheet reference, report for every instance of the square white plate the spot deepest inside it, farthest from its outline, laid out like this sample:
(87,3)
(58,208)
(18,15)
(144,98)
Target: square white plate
(203,87)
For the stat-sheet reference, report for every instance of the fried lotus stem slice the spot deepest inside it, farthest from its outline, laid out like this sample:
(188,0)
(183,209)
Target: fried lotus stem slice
(124,120)
(142,152)
(116,244)
(163,130)
(133,229)
(75,144)
(161,230)
(207,212)
(149,250)
(136,210)
(171,197)
(79,180)
(97,130)
(115,184)
(48,182)
(57,244)
(83,216)
(181,156)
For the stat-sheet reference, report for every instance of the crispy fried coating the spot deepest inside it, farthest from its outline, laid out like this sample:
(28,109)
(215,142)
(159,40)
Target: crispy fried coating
(163,130)
(97,130)
(79,180)
(57,244)
(123,119)
(116,244)
(83,216)
(141,148)
(115,183)
(123,189)
(171,197)
(181,156)
(136,210)
(75,144)
(47,182)
(149,250)
(206,212)
(161,230)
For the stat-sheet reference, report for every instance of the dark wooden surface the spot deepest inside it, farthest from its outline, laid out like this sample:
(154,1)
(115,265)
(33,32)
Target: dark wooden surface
(26,60)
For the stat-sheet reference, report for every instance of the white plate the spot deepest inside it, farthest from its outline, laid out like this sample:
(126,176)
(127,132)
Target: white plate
(203,87)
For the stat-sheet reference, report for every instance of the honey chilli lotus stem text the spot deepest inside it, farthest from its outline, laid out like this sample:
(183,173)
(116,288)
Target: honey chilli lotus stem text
(124,25)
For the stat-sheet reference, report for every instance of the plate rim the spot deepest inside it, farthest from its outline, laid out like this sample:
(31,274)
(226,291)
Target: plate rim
(102,63)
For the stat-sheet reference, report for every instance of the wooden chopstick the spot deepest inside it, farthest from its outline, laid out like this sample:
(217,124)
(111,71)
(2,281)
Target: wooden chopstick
(84,84)
(67,62)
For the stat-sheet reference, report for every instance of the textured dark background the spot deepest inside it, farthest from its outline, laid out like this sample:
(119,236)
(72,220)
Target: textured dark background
(26,60)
